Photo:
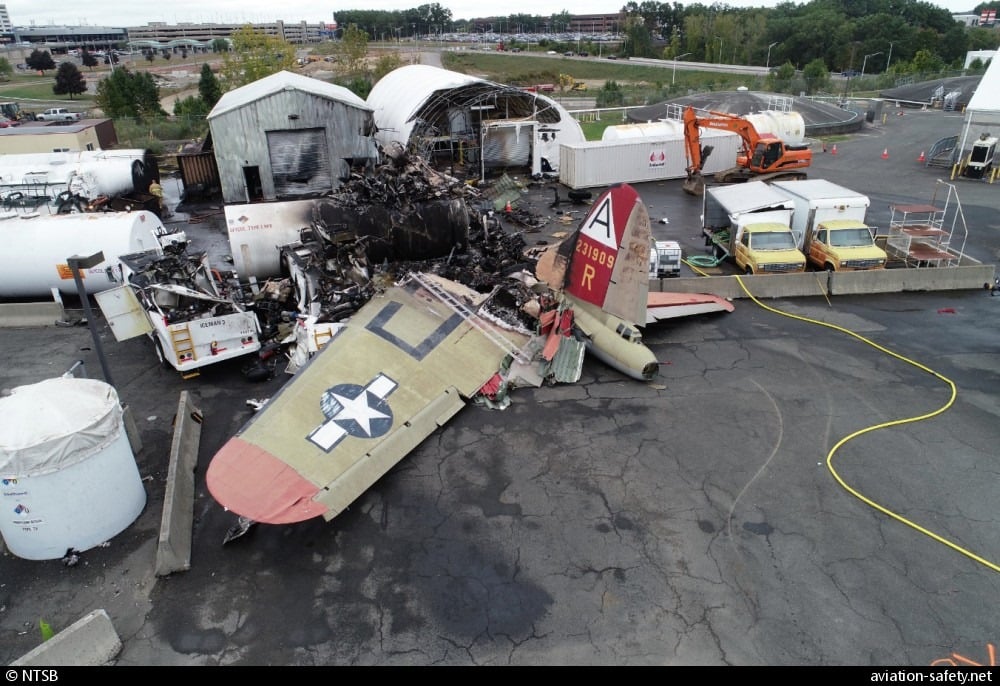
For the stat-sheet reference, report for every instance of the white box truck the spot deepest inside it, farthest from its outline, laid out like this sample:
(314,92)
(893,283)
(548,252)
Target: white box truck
(750,223)
(829,225)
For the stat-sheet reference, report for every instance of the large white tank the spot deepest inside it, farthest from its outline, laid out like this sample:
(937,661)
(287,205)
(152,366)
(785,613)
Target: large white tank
(790,127)
(87,173)
(35,249)
(68,478)
(665,128)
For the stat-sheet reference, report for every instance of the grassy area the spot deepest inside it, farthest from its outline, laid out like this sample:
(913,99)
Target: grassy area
(523,69)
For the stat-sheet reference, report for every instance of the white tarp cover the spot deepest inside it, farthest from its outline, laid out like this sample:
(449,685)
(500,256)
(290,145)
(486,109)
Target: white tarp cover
(50,425)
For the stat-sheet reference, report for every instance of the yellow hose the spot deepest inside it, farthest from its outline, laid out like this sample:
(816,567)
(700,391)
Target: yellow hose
(896,422)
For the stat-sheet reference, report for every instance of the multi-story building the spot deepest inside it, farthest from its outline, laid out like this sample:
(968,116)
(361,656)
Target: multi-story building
(162,32)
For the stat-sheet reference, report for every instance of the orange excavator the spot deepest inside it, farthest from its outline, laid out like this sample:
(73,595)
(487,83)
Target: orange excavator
(764,158)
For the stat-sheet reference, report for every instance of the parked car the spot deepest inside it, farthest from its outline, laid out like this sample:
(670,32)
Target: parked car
(59,114)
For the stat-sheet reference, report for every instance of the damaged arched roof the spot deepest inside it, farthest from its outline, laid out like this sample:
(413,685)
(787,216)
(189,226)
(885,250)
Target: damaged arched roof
(421,99)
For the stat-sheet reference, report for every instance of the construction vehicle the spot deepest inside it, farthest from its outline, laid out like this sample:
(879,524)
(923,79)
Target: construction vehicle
(761,157)
(980,161)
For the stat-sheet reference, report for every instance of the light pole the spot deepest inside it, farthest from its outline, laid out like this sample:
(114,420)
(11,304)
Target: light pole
(720,49)
(673,78)
(865,61)
(889,58)
(768,64)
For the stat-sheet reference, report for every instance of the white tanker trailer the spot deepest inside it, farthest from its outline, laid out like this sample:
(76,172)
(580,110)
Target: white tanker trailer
(33,260)
(63,181)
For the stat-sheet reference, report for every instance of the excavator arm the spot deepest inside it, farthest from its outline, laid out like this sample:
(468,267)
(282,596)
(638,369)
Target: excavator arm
(758,155)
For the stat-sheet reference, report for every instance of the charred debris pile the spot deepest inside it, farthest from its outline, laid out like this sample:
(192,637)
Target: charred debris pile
(387,222)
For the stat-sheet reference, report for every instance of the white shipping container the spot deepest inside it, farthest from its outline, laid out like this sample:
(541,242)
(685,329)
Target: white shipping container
(35,249)
(603,163)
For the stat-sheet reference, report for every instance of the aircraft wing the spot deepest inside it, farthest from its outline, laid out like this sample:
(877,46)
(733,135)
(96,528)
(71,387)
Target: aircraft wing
(402,366)
(666,305)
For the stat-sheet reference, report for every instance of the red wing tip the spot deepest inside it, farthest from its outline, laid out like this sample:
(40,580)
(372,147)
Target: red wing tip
(253,483)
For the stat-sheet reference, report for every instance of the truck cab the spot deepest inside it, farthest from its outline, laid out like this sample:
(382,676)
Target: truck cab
(844,245)
(767,248)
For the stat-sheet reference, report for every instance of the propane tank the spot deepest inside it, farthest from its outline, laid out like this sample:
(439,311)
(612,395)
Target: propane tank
(36,248)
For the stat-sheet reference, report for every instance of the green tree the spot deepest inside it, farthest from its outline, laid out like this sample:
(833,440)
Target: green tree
(352,49)
(925,62)
(6,69)
(69,81)
(254,56)
(129,94)
(220,45)
(87,58)
(209,88)
(610,95)
(386,63)
(816,75)
(40,60)
(192,107)
(150,55)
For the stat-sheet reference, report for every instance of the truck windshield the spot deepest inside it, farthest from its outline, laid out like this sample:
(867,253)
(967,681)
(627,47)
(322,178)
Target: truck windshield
(850,238)
(772,240)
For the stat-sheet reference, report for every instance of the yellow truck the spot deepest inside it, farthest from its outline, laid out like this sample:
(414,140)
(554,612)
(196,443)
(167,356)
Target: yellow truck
(750,224)
(829,225)
(842,245)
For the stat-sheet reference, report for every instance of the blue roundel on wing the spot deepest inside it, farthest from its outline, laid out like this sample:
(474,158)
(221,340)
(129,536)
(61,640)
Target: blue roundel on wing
(357,410)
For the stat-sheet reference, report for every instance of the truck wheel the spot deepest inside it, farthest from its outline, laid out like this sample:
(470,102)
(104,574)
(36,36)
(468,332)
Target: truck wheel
(829,267)
(749,270)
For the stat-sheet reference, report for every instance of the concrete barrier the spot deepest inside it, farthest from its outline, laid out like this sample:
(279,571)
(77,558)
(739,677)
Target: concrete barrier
(970,276)
(23,315)
(173,551)
(89,642)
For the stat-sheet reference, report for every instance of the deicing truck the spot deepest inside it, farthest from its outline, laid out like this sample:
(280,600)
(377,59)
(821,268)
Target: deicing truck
(829,225)
(750,223)
(193,315)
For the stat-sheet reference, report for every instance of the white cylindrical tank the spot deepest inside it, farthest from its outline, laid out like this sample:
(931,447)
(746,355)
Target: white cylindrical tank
(87,173)
(33,260)
(665,128)
(68,478)
(790,127)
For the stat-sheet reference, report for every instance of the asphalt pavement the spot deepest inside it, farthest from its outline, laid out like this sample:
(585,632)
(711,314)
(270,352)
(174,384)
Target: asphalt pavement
(808,483)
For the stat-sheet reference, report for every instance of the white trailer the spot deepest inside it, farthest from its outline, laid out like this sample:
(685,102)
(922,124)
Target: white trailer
(635,160)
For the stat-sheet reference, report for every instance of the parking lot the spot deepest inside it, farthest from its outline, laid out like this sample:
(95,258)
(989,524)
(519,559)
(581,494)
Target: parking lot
(810,482)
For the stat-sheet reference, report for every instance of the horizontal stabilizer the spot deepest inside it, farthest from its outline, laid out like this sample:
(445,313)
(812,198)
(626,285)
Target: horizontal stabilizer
(665,305)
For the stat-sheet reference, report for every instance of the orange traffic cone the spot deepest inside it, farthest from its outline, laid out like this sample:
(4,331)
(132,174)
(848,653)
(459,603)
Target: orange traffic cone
(833,150)
(921,159)
(507,207)
(885,154)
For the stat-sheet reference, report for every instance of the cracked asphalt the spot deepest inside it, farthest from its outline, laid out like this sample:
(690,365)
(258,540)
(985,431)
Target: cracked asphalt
(695,520)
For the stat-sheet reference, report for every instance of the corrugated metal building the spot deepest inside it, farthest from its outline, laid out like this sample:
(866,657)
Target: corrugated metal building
(434,113)
(287,137)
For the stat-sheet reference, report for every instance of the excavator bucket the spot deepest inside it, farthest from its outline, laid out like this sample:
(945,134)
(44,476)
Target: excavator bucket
(694,184)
